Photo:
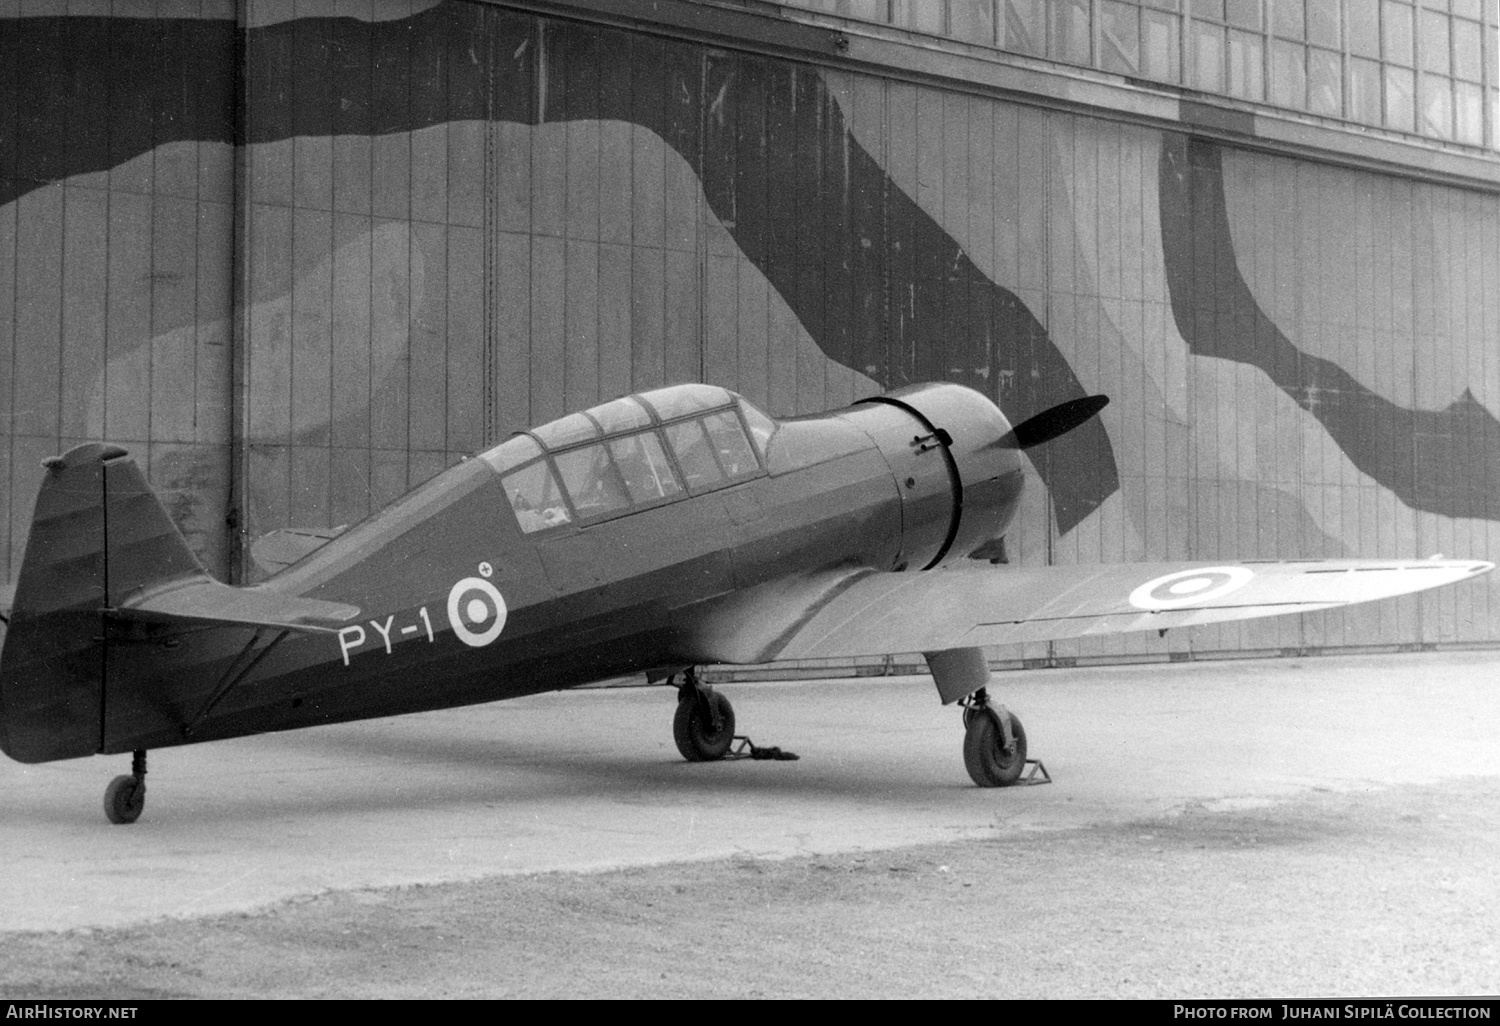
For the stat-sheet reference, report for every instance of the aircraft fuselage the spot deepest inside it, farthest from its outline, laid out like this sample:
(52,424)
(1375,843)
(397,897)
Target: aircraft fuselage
(471,589)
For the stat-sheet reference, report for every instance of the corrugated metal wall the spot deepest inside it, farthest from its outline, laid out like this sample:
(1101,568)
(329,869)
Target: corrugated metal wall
(451,220)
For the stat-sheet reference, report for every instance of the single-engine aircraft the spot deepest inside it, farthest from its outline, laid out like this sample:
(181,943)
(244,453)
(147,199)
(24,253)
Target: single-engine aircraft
(652,534)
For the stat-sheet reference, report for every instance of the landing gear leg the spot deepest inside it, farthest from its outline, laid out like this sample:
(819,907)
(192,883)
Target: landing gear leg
(704,725)
(994,742)
(125,797)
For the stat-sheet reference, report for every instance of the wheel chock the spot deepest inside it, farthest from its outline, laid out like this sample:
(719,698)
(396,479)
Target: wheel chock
(1030,777)
(744,748)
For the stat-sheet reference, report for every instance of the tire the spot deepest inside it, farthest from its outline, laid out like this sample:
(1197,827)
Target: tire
(984,757)
(124,799)
(693,730)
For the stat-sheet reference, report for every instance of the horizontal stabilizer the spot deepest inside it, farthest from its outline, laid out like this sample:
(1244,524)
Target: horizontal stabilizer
(207,601)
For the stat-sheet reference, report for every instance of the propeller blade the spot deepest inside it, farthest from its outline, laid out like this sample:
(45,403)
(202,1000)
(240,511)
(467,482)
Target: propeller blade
(1050,424)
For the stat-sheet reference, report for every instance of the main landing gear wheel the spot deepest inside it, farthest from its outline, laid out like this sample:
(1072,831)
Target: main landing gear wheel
(125,796)
(986,757)
(704,724)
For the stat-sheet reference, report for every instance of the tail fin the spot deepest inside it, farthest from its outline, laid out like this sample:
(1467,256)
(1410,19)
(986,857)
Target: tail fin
(98,533)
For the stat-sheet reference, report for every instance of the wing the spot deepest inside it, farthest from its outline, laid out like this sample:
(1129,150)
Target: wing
(861,613)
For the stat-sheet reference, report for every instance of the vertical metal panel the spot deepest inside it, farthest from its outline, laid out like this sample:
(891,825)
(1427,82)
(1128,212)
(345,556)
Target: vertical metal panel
(614,330)
(720,300)
(649,154)
(715,158)
(548,331)
(427,423)
(214,302)
(752,372)
(12,497)
(308,495)
(388,476)
(84,315)
(811,295)
(465,339)
(399,270)
(429,98)
(352,144)
(350,326)
(171,344)
(312,113)
(37,312)
(617,186)
(684,316)
(390,102)
(348,484)
(900,264)
(648,327)
(1034,168)
(581,324)
(311,342)
(127,384)
(575,65)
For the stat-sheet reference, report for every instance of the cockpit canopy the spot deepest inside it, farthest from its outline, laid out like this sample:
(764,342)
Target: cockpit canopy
(631,454)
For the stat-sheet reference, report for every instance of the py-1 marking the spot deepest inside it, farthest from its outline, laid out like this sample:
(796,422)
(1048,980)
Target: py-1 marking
(476,612)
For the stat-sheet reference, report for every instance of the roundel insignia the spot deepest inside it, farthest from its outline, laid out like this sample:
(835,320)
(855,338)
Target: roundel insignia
(1190,587)
(476,611)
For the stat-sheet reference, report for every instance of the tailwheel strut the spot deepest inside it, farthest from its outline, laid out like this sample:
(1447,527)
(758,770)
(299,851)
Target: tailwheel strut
(125,796)
(995,745)
(704,726)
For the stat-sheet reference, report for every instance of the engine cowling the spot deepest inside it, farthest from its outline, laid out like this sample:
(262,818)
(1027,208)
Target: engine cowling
(959,484)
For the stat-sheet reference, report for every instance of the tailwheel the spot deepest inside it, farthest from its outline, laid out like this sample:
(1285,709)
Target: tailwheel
(125,796)
(989,760)
(704,724)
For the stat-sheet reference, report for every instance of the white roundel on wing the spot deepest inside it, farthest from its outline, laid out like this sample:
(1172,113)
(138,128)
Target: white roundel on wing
(476,611)
(1190,587)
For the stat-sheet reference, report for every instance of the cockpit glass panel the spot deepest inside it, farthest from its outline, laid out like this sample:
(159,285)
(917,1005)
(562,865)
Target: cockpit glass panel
(591,480)
(621,415)
(573,428)
(512,452)
(644,467)
(536,497)
(761,427)
(733,448)
(681,400)
(694,455)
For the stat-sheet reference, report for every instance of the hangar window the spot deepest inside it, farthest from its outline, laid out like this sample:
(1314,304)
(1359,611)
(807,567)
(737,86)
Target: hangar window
(1330,57)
